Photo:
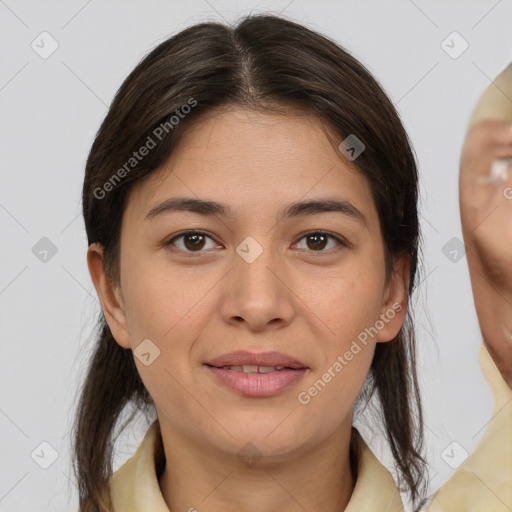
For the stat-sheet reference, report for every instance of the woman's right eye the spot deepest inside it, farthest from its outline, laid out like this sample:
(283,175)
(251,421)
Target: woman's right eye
(190,241)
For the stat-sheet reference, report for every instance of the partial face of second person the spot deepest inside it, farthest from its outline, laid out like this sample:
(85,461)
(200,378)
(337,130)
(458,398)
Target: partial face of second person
(307,294)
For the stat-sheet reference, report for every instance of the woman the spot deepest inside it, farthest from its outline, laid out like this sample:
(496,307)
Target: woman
(250,203)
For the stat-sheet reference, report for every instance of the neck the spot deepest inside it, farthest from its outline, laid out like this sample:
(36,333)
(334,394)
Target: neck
(197,478)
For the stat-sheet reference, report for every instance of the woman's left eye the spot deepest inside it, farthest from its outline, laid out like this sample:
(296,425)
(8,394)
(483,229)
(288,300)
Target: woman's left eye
(194,241)
(319,240)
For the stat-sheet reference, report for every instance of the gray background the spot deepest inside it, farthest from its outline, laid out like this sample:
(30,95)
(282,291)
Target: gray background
(50,109)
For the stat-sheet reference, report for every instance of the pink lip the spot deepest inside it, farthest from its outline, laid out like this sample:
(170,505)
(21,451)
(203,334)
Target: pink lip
(243,357)
(257,384)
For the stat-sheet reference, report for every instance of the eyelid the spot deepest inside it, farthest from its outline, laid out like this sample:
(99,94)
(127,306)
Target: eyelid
(338,238)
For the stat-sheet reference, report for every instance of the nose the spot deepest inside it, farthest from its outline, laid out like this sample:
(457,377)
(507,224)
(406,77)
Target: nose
(258,293)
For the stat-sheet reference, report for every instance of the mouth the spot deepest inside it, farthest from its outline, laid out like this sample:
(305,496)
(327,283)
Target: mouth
(256,375)
(251,368)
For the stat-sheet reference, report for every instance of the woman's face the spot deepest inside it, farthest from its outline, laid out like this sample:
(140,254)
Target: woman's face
(261,276)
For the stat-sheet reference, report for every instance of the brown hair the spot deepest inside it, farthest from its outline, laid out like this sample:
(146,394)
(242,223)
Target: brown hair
(264,62)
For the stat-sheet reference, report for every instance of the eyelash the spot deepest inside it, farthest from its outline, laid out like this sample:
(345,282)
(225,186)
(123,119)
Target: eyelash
(320,253)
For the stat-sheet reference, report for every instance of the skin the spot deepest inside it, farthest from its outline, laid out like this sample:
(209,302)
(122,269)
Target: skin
(290,299)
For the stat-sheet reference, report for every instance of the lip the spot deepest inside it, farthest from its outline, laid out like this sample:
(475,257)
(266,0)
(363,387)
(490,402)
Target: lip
(244,357)
(257,384)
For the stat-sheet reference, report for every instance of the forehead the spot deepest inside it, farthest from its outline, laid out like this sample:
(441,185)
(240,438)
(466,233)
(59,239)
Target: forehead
(255,162)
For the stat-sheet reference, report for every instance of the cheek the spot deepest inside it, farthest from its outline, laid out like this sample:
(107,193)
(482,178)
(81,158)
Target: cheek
(332,391)
(344,303)
(341,314)
(163,303)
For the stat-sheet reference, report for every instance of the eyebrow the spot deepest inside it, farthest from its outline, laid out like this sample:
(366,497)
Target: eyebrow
(297,209)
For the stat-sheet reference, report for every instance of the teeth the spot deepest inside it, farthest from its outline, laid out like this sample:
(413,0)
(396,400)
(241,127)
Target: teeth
(250,368)
(266,369)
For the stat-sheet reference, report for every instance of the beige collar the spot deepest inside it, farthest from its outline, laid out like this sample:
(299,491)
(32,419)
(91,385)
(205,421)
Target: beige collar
(135,488)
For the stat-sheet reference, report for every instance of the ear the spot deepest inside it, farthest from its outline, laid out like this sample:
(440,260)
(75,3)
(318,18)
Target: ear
(110,296)
(395,300)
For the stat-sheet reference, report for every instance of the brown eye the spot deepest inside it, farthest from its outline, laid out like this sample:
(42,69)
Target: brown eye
(190,241)
(194,241)
(319,240)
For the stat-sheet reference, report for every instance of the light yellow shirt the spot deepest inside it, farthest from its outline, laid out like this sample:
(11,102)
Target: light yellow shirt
(134,487)
(484,481)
